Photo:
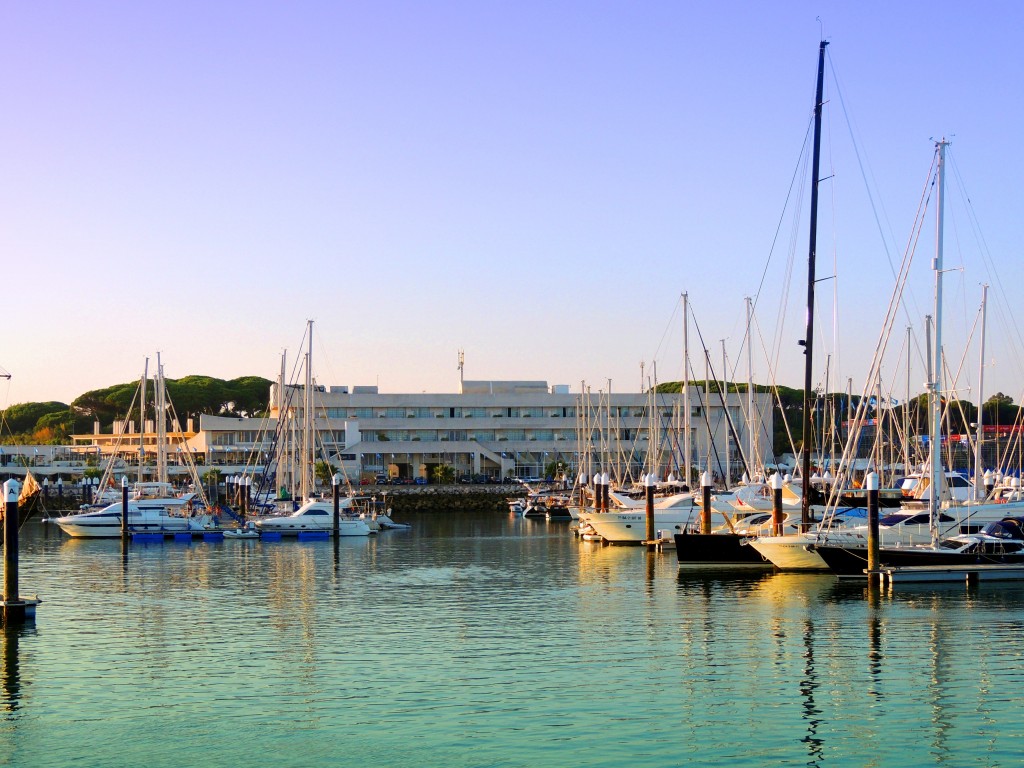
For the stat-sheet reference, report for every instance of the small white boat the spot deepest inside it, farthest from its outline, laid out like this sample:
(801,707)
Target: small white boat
(248,532)
(317,515)
(386,523)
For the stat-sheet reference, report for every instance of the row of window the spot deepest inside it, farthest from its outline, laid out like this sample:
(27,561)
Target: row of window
(523,412)
(486,435)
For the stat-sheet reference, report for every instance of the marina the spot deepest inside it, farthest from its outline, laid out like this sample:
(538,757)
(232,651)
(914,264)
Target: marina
(651,407)
(476,639)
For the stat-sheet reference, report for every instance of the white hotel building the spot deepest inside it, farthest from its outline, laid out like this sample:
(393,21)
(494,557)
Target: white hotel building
(489,429)
(497,429)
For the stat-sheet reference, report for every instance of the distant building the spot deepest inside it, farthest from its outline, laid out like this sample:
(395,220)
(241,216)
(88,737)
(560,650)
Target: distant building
(490,429)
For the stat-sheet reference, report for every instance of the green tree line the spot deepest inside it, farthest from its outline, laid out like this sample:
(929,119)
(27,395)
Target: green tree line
(54,422)
(959,416)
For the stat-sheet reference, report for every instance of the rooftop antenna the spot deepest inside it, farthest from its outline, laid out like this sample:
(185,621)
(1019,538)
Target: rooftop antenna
(462,366)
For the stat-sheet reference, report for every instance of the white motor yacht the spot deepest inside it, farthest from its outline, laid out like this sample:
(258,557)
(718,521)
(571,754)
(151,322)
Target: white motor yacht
(152,515)
(318,515)
(629,526)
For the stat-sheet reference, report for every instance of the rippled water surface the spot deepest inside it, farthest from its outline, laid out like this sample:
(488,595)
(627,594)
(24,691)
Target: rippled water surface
(487,640)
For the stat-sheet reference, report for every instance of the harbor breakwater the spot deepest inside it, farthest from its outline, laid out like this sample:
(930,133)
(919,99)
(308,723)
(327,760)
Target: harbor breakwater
(451,498)
(417,498)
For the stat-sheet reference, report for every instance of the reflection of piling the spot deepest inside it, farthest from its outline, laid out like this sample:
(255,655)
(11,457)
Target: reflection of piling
(705,509)
(874,577)
(16,610)
(776,504)
(11,679)
(649,482)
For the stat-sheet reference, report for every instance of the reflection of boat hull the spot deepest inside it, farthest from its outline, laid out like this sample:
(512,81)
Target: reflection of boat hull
(717,550)
(287,526)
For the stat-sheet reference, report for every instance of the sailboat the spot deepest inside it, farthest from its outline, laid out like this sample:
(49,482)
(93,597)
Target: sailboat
(949,545)
(153,506)
(727,548)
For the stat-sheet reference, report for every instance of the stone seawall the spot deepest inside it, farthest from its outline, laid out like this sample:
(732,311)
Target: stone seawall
(448,498)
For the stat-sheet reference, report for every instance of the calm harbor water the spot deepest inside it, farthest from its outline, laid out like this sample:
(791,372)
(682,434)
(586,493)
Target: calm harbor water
(488,640)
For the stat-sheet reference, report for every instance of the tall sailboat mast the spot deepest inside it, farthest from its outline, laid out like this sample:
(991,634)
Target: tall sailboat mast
(752,456)
(142,421)
(979,491)
(306,465)
(938,479)
(808,341)
(687,457)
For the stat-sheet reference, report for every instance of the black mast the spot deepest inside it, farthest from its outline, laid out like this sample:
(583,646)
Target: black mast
(808,341)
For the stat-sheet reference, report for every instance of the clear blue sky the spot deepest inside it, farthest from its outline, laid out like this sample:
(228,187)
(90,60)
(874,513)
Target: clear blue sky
(533,182)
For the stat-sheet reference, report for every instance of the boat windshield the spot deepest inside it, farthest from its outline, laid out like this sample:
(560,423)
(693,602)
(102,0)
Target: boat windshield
(902,518)
(1008,528)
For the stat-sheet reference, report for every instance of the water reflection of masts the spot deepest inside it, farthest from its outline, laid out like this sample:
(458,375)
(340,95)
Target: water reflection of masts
(811,712)
(938,683)
(874,643)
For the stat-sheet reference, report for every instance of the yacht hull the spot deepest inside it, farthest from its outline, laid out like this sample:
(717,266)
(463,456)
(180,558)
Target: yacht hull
(852,562)
(789,553)
(717,550)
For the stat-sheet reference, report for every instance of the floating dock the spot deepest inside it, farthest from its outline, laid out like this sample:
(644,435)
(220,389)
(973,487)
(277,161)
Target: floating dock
(970,574)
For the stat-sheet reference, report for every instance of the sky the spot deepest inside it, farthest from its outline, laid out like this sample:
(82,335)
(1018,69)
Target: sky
(534,183)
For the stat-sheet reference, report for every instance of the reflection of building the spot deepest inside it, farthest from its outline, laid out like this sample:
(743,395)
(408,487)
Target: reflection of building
(492,429)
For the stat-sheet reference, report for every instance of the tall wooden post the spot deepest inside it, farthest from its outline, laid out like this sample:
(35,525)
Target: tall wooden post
(777,504)
(336,488)
(11,491)
(874,577)
(124,510)
(244,488)
(705,507)
(650,481)
(15,609)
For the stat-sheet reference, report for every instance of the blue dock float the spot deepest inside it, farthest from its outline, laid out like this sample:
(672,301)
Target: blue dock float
(270,536)
(185,538)
(314,535)
(213,536)
(147,538)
